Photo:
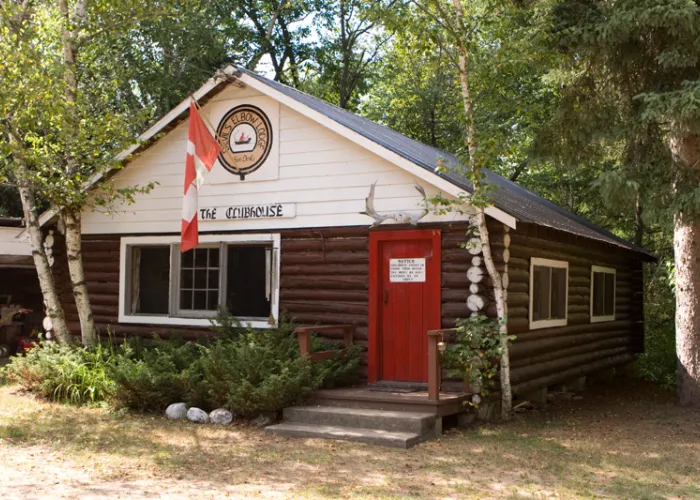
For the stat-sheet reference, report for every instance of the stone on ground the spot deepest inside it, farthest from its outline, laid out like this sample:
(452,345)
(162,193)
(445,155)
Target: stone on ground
(176,411)
(262,420)
(197,415)
(221,417)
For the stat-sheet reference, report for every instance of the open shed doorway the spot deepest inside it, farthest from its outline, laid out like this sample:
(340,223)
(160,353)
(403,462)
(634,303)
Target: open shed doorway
(19,287)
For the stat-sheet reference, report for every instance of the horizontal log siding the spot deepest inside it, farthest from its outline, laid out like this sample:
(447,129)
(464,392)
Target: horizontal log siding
(549,356)
(324,280)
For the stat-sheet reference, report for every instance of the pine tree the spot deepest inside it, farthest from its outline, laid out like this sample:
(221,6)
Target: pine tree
(629,73)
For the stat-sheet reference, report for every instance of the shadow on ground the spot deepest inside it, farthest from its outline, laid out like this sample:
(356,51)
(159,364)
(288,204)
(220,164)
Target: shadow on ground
(622,440)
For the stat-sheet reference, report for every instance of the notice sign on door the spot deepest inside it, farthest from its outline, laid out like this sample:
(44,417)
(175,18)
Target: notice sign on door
(407,270)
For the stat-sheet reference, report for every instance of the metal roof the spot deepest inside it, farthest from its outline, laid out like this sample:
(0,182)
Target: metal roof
(508,196)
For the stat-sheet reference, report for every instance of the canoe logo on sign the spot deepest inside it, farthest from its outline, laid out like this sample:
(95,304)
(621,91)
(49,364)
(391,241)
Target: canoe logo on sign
(245,137)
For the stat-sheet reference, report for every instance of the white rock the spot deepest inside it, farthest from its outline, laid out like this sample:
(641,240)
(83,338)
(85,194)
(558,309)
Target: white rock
(176,411)
(198,416)
(221,417)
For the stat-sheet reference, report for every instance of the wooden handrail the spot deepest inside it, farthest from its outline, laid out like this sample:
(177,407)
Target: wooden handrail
(304,334)
(434,366)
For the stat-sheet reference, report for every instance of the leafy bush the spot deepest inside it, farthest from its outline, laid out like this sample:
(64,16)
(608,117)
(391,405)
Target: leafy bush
(63,373)
(475,354)
(151,378)
(244,370)
(658,362)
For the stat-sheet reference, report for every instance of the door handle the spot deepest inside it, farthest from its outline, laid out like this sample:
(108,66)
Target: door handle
(386,295)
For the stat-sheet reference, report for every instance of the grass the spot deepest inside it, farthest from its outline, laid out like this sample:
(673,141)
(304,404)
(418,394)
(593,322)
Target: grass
(625,440)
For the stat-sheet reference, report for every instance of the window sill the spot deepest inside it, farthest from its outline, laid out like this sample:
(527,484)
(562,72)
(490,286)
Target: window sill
(602,319)
(176,321)
(547,323)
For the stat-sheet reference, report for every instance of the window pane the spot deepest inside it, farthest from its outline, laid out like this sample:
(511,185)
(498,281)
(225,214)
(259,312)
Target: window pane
(186,299)
(598,291)
(541,293)
(200,279)
(187,258)
(213,301)
(200,300)
(214,257)
(213,279)
(187,280)
(609,294)
(558,293)
(246,279)
(150,288)
(200,257)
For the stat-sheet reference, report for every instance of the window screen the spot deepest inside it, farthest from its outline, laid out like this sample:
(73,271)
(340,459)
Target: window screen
(150,279)
(247,290)
(603,289)
(549,292)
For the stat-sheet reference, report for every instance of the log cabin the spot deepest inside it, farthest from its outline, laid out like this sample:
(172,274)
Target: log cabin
(319,214)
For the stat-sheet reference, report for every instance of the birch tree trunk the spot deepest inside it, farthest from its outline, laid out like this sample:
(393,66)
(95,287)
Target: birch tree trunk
(77,276)
(480,219)
(54,309)
(71,215)
(686,245)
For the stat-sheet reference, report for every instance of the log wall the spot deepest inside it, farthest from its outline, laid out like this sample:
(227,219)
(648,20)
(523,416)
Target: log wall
(550,356)
(324,280)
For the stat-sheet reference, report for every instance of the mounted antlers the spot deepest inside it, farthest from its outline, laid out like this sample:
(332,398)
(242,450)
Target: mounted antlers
(400,217)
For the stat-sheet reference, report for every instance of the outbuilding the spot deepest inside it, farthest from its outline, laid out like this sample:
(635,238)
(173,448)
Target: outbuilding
(284,229)
(19,287)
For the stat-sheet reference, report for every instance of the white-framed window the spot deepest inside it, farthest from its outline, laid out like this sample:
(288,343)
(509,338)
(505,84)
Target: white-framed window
(603,288)
(549,293)
(160,285)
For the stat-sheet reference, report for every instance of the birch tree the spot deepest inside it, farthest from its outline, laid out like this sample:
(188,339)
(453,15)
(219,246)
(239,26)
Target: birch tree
(63,122)
(460,22)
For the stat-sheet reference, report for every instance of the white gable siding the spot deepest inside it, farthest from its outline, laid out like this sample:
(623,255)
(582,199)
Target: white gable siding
(11,245)
(326,175)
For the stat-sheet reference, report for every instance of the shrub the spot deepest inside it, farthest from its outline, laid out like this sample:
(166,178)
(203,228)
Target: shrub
(262,370)
(153,377)
(244,370)
(64,373)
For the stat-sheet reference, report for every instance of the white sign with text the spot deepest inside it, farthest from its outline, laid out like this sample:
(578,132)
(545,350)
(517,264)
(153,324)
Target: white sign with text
(407,270)
(264,211)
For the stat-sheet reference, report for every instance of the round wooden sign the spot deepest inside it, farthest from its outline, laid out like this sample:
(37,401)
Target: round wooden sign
(245,137)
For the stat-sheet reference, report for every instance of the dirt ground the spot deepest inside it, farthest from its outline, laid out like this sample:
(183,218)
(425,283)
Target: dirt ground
(625,439)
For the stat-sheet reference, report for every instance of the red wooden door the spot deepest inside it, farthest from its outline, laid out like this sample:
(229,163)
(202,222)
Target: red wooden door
(404,303)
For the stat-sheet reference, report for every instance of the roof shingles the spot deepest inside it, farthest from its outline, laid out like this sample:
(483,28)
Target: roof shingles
(508,196)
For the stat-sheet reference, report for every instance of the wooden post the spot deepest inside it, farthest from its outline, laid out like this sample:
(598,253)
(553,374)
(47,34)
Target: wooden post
(304,341)
(348,336)
(434,371)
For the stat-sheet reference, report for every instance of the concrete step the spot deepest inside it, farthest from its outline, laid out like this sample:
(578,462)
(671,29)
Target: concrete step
(393,421)
(369,436)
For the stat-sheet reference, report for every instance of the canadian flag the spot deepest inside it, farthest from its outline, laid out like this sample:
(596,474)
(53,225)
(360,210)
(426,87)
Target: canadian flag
(202,150)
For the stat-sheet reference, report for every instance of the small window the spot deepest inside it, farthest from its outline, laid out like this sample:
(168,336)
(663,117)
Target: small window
(199,280)
(602,294)
(161,285)
(150,280)
(549,281)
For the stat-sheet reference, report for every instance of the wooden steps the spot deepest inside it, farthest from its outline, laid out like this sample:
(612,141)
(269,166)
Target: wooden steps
(397,429)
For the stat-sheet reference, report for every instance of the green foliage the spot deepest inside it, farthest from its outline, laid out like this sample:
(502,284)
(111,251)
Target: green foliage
(474,354)
(63,373)
(153,377)
(244,370)
(658,362)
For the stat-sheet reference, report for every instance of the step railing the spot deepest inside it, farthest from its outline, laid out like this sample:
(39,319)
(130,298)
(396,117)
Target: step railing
(305,333)
(435,338)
